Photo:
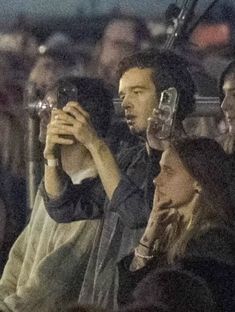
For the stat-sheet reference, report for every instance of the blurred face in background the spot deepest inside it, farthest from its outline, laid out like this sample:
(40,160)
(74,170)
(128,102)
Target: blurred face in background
(44,74)
(228,104)
(119,40)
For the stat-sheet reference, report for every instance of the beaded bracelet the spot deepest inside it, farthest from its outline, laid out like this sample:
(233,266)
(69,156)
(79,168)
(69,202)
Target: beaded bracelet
(142,256)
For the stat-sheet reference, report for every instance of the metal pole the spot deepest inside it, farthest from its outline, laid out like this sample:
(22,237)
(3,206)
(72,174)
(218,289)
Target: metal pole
(34,160)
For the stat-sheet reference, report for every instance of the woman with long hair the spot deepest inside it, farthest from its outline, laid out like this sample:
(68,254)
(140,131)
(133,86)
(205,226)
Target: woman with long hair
(227,96)
(192,215)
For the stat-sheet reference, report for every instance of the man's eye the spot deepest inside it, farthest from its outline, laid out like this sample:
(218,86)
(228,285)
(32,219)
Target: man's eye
(137,92)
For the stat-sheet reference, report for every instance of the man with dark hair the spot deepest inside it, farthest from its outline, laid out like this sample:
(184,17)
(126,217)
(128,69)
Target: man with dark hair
(128,182)
(166,70)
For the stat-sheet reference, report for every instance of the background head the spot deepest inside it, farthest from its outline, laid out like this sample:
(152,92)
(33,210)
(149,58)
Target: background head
(176,290)
(227,95)
(49,66)
(93,96)
(123,35)
(90,93)
(168,70)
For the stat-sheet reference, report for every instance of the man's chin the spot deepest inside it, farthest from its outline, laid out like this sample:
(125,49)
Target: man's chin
(137,132)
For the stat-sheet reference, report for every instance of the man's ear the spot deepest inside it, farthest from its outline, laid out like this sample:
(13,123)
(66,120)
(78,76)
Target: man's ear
(197,187)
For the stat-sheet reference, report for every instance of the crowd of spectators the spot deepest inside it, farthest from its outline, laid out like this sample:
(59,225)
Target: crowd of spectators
(122,220)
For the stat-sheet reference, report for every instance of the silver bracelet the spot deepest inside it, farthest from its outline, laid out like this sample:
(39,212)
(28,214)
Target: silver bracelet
(142,256)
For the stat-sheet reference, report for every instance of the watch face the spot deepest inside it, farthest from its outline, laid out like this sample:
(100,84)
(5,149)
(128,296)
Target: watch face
(51,162)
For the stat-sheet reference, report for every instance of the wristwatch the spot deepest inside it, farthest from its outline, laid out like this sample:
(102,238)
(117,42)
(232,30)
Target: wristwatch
(51,162)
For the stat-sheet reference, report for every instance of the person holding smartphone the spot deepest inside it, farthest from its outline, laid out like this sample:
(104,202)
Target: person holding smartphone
(127,179)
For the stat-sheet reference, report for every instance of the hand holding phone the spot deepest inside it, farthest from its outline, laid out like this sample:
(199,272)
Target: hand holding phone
(161,123)
(167,107)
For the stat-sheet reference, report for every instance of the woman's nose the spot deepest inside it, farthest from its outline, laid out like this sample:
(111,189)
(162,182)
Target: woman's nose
(226,103)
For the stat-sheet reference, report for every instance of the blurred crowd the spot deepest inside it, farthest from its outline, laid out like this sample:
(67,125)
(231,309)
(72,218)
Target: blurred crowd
(32,72)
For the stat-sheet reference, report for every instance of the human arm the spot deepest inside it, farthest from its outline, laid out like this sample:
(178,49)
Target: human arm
(64,201)
(77,122)
(76,202)
(160,224)
(129,191)
(132,199)
(54,175)
(134,267)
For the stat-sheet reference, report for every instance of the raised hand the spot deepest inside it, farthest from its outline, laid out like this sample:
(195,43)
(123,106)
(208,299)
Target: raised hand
(79,124)
(55,134)
(155,123)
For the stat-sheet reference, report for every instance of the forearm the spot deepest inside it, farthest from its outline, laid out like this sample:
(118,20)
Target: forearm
(76,202)
(54,179)
(142,256)
(106,165)
(129,202)
(145,250)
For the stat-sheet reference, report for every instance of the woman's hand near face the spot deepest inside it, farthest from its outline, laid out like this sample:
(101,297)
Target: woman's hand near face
(162,215)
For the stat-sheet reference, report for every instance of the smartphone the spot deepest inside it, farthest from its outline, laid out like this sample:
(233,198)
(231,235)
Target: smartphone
(66,93)
(168,106)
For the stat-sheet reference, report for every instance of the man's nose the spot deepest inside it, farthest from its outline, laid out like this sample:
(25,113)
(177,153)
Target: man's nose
(126,102)
(157,180)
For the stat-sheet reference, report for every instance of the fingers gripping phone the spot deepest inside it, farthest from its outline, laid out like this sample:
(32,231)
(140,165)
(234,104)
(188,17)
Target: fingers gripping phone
(168,106)
(66,93)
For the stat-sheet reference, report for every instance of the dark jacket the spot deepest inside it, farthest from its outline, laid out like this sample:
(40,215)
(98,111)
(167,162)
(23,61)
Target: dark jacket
(211,255)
